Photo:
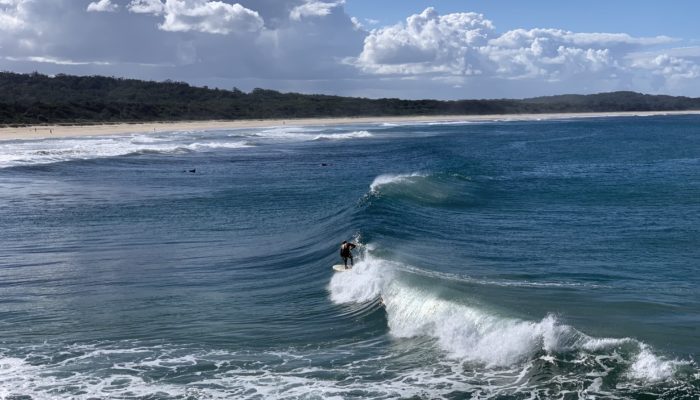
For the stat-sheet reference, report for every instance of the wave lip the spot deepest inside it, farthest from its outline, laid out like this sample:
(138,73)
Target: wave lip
(443,189)
(390,179)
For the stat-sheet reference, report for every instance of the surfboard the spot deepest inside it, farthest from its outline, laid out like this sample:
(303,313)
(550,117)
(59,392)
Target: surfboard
(339,268)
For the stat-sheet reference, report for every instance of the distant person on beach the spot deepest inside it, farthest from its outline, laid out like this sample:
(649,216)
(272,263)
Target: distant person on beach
(345,252)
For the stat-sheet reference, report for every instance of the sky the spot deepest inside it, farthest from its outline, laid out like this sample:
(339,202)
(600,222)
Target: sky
(439,49)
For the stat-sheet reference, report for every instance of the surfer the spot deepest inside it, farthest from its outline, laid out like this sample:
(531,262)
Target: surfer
(345,252)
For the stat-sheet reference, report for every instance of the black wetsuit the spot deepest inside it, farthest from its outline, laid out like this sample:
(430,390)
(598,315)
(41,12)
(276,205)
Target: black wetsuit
(345,253)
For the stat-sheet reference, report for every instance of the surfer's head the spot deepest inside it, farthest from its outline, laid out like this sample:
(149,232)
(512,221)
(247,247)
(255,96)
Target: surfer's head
(344,241)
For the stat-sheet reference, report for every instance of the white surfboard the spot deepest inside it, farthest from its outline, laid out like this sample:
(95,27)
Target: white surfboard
(339,268)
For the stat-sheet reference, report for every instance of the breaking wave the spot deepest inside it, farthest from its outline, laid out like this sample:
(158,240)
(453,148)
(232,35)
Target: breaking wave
(293,133)
(19,153)
(434,189)
(466,331)
(34,152)
(343,136)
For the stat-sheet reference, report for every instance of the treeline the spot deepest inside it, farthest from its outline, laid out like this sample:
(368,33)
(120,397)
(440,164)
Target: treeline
(36,99)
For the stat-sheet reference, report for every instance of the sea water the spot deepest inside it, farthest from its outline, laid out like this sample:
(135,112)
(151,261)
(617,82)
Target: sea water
(502,259)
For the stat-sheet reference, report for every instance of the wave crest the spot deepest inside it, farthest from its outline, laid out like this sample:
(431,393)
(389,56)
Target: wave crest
(343,136)
(432,189)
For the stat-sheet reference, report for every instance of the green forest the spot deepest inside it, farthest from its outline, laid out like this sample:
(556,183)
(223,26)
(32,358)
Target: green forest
(65,99)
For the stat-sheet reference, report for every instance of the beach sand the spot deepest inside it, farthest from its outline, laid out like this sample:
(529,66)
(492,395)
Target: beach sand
(54,131)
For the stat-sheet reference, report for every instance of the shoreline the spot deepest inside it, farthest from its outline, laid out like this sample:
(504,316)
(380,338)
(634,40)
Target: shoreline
(59,131)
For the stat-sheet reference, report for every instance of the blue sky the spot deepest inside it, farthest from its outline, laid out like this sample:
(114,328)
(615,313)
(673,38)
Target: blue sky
(444,49)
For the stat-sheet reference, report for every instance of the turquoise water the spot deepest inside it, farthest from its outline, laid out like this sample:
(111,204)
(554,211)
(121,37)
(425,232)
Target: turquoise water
(505,259)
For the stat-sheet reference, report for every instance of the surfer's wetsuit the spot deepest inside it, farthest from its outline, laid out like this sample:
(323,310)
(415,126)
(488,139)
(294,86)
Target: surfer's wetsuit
(345,253)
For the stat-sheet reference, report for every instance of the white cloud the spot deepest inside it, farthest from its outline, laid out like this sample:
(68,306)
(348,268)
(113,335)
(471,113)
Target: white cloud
(313,8)
(214,17)
(356,23)
(521,37)
(155,7)
(458,47)
(102,6)
(51,60)
(545,54)
(428,43)
(670,67)
(13,15)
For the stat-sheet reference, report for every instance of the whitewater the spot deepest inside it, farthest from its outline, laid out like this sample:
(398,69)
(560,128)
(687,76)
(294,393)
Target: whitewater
(498,260)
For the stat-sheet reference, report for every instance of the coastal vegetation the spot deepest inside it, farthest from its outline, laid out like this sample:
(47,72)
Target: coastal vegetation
(65,99)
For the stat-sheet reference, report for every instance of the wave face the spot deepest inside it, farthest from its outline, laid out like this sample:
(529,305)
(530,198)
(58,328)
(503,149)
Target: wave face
(501,260)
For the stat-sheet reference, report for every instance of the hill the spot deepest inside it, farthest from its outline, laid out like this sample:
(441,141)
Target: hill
(36,99)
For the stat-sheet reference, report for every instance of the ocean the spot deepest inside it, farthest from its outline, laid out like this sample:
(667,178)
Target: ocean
(496,260)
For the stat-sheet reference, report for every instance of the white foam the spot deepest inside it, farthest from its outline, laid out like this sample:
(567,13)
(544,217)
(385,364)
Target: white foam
(45,151)
(92,375)
(287,133)
(364,282)
(308,134)
(126,369)
(343,136)
(650,367)
(597,344)
(218,145)
(387,179)
(35,152)
(463,122)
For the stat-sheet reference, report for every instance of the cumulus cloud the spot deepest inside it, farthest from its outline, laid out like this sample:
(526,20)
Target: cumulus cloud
(669,66)
(427,43)
(467,45)
(102,6)
(546,53)
(465,51)
(214,17)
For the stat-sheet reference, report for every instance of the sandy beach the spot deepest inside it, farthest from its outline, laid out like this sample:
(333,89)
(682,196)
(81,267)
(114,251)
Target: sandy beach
(53,131)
